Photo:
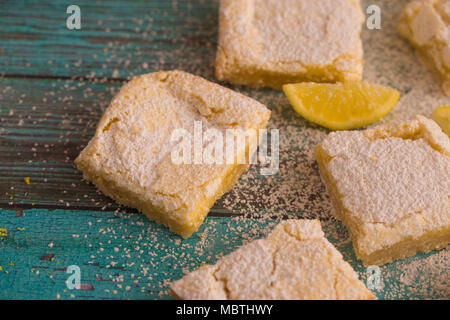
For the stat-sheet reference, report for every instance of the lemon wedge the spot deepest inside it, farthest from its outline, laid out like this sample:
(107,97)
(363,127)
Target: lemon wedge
(341,106)
(442,116)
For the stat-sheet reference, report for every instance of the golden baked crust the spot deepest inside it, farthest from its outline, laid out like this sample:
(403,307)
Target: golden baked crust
(129,158)
(268,43)
(390,186)
(426,24)
(295,261)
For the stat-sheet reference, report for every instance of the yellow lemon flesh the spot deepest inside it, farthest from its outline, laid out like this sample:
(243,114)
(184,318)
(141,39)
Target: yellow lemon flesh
(442,116)
(341,106)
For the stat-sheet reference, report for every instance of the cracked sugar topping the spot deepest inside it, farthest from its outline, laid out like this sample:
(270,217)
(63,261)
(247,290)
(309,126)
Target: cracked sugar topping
(315,33)
(309,32)
(136,133)
(299,263)
(386,174)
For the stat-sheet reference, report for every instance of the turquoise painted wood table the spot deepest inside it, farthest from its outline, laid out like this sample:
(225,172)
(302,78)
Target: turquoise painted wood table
(55,84)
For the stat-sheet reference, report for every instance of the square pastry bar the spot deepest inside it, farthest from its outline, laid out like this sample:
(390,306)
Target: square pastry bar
(268,43)
(426,24)
(390,186)
(137,157)
(294,262)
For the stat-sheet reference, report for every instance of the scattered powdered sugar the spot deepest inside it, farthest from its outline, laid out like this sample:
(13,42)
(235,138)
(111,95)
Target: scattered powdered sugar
(428,277)
(150,256)
(430,267)
(297,192)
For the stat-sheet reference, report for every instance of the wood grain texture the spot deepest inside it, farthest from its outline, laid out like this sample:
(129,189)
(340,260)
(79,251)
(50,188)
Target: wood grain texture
(117,38)
(120,255)
(125,256)
(54,86)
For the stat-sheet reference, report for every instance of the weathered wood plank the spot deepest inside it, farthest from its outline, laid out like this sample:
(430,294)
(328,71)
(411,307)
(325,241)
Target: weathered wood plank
(120,255)
(123,255)
(117,38)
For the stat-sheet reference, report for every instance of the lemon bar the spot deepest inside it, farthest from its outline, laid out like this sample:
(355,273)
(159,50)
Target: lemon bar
(130,157)
(426,25)
(268,43)
(390,186)
(294,262)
